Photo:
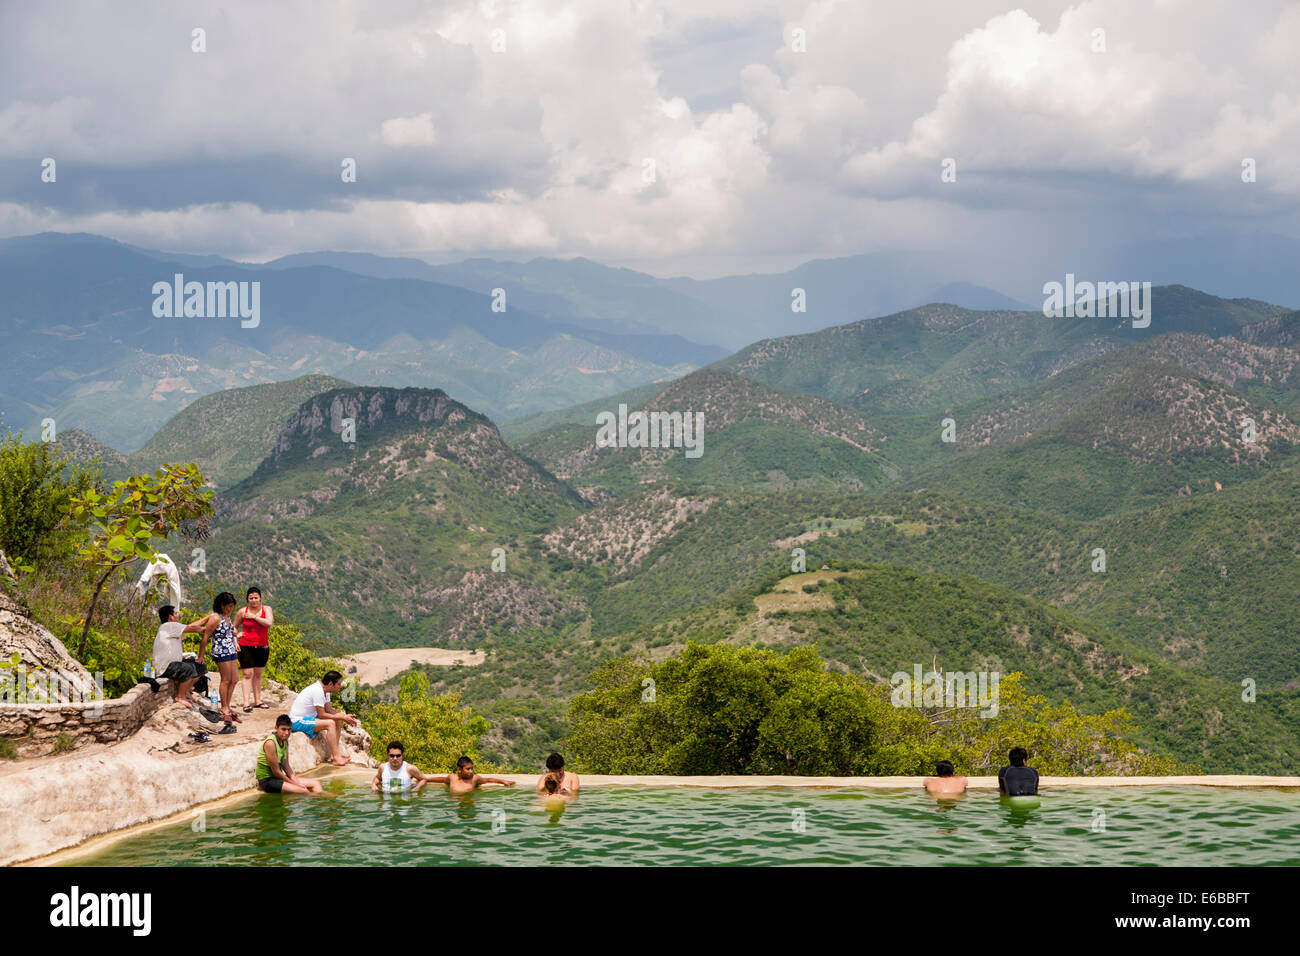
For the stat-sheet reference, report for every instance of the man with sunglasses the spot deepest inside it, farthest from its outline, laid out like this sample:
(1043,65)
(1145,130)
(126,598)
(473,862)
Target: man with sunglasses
(397,774)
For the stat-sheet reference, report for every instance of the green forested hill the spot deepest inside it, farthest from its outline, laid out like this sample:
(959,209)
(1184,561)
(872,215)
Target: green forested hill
(1070,440)
(940,356)
(388,540)
(753,437)
(228,433)
(875,621)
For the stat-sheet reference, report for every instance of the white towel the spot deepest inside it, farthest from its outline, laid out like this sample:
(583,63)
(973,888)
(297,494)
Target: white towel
(164,568)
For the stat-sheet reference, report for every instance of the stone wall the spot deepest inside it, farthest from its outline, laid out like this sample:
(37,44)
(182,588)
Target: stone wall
(37,729)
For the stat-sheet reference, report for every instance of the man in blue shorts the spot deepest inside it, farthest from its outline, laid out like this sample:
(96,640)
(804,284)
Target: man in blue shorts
(312,712)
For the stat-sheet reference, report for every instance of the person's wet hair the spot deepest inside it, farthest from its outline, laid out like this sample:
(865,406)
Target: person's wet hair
(551,783)
(944,768)
(165,613)
(332,677)
(253,590)
(1018,756)
(395,745)
(554,762)
(464,762)
(222,601)
(283,721)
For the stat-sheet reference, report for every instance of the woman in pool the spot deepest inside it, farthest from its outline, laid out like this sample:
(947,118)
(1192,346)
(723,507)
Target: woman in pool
(218,627)
(254,622)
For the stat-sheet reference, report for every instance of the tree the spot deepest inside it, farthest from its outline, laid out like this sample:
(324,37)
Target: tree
(434,729)
(36,486)
(724,710)
(717,709)
(124,522)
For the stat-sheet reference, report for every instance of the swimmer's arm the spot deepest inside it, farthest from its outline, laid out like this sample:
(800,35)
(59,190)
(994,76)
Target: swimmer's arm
(374,784)
(420,779)
(441,778)
(479,781)
(576,783)
(270,616)
(541,784)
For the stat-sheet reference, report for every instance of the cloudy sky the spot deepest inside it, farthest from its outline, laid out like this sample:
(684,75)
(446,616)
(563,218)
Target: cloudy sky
(778,131)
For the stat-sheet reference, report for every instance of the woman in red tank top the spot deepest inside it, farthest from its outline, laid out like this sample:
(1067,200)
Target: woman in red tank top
(253,622)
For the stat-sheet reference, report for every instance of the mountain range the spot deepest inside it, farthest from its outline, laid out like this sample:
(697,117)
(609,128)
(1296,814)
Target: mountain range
(1108,509)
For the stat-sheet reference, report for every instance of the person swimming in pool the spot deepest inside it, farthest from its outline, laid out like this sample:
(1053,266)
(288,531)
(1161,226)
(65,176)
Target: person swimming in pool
(566,781)
(465,780)
(397,774)
(945,781)
(1018,780)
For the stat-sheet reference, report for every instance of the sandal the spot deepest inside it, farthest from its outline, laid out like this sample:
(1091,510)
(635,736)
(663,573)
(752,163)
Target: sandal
(228,729)
(263,706)
(248,709)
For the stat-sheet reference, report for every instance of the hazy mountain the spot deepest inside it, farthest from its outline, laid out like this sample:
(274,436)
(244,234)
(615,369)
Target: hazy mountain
(939,357)
(80,309)
(79,447)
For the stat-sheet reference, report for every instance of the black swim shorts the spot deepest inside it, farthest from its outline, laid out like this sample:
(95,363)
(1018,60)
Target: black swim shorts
(271,784)
(253,656)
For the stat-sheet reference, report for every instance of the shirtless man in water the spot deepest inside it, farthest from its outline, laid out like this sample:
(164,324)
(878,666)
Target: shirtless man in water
(562,783)
(945,782)
(465,780)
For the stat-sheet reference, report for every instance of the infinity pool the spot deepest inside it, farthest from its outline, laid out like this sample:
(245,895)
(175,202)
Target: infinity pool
(1195,826)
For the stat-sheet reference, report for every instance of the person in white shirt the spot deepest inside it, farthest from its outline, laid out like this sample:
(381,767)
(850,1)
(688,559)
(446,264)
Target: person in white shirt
(312,709)
(397,774)
(168,650)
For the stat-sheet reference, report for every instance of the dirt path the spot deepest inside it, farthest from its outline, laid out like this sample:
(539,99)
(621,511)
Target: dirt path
(375,667)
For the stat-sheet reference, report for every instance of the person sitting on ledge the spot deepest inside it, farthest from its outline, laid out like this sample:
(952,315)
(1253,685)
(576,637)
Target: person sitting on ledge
(168,658)
(274,775)
(566,782)
(465,780)
(312,708)
(1018,780)
(945,782)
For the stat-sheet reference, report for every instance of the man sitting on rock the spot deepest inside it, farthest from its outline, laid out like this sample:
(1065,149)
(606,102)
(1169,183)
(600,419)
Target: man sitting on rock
(168,657)
(274,775)
(312,710)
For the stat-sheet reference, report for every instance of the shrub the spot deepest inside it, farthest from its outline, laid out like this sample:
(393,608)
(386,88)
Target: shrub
(36,486)
(434,729)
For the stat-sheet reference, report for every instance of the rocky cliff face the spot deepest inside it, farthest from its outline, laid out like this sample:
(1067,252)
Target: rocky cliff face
(320,420)
(26,645)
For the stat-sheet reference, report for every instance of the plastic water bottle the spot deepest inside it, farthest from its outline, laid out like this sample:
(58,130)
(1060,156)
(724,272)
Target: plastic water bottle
(215,698)
(148,667)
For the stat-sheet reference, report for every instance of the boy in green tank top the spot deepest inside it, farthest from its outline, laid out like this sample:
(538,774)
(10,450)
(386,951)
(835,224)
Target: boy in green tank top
(274,775)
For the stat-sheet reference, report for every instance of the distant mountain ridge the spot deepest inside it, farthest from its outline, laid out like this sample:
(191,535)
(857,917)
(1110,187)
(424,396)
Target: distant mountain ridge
(81,309)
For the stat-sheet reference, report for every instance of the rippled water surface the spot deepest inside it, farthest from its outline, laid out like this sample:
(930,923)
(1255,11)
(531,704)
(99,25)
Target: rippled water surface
(664,826)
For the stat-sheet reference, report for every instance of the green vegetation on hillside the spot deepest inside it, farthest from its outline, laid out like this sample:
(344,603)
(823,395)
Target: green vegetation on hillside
(724,710)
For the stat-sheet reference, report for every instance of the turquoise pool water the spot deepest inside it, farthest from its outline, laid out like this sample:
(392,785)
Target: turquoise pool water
(674,825)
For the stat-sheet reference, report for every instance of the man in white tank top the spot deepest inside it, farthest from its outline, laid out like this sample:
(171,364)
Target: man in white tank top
(397,774)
